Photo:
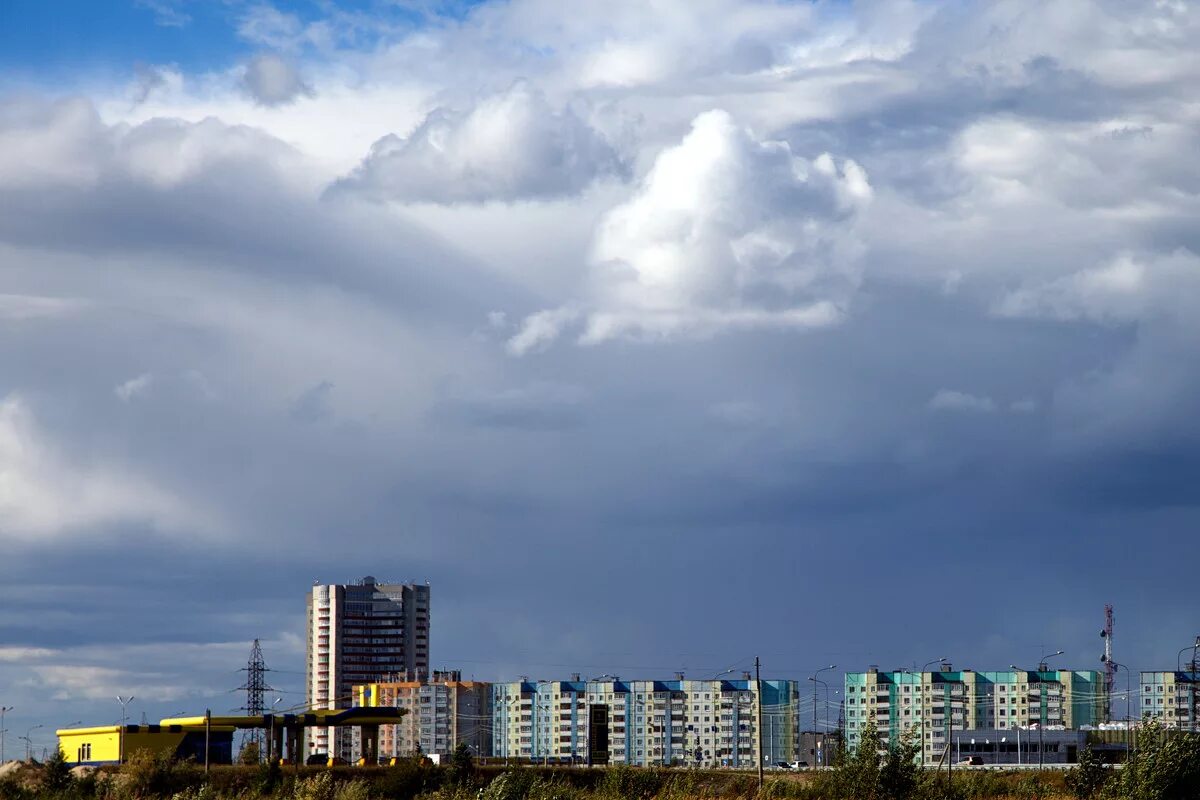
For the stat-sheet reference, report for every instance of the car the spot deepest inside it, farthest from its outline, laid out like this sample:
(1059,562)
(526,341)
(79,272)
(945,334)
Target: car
(782,765)
(971,761)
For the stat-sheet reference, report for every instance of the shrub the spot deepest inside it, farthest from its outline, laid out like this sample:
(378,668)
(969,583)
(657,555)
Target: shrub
(56,774)
(148,775)
(317,787)
(631,783)
(250,754)
(512,785)
(408,778)
(352,790)
(11,789)
(1090,775)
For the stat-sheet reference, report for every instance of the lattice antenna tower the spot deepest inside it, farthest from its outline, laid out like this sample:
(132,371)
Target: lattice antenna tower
(255,688)
(1110,669)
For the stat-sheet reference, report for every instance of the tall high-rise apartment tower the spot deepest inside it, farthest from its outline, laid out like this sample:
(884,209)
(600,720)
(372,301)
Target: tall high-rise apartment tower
(361,633)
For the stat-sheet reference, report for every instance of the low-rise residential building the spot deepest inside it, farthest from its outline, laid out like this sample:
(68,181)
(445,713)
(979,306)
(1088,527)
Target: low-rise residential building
(443,711)
(1019,746)
(931,706)
(1172,698)
(645,722)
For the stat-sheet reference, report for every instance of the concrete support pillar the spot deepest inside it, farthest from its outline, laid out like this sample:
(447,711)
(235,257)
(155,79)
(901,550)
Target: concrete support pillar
(370,744)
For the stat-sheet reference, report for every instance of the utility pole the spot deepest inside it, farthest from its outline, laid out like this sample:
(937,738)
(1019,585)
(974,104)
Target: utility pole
(207,738)
(758,723)
(949,752)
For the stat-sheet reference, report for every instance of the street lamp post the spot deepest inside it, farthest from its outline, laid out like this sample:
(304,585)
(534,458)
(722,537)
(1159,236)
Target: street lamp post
(921,677)
(821,744)
(124,701)
(813,678)
(271,741)
(3,710)
(29,741)
(1041,693)
(1193,648)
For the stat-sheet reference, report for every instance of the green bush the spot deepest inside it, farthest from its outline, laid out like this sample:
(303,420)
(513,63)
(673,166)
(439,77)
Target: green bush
(1165,767)
(11,789)
(56,774)
(512,785)
(316,787)
(409,778)
(1089,777)
(631,783)
(148,775)
(352,790)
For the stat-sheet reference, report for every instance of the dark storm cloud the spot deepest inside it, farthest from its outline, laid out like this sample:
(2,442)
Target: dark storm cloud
(218,388)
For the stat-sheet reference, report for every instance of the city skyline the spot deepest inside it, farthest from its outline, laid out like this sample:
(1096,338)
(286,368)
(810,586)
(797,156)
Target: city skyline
(654,336)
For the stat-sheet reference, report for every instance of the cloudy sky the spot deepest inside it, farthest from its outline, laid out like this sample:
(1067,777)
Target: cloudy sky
(654,335)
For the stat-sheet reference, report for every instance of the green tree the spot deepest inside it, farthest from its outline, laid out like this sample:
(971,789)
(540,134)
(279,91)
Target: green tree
(250,754)
(899,775)
(1090,775)
(1166,767)
(56,775)
(858,773)
(462,765)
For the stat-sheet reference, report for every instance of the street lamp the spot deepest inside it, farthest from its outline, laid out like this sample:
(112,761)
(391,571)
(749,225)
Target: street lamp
(1041,722)
(3,710)
(924,711)
(29,742)
(814,678)
(1193,648)
(1042,664)
(271,741)
(821,745)
(124,701)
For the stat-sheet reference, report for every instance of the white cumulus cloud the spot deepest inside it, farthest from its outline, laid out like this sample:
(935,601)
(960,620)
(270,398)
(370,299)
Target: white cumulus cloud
(726,231)
(1125,289)
(510,146)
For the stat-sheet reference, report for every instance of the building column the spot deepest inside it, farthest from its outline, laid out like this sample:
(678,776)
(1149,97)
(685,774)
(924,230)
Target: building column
(370,744)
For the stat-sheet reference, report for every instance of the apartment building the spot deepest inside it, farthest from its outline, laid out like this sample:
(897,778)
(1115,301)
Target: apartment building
(932,706)
(645,722)
(443,711)
(1172,699)
(358,634)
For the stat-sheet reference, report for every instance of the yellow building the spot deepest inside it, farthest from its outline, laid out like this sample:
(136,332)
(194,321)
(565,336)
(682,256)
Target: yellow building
(184,737)
(105,744)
